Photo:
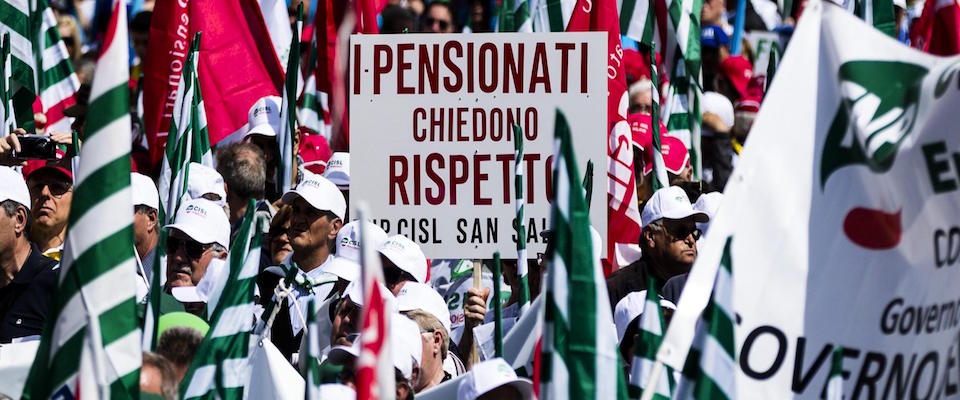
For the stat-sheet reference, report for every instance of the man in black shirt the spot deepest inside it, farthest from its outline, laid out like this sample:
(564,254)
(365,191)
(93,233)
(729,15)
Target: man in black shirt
(668,240)
(27,278)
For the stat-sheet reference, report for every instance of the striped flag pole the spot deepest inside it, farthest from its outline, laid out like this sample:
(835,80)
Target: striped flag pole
(835,381)
(92,338)
(311,109)
(286,168)
(8,120)
(375,371)
(520,201)
(220,365)
(41,64)
(710,369)
(311,376)
(579,357)
(497,307)
(645,356)
(660,178)
(588,183)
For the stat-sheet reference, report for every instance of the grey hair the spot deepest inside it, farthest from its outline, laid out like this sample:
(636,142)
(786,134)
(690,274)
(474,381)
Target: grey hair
(429,323)
(243,168)
(168,377)
(10,208)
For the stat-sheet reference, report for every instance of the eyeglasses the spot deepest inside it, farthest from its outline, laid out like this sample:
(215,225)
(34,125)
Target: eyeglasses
(193,249)
(443,24)
(681,233)
(57,188)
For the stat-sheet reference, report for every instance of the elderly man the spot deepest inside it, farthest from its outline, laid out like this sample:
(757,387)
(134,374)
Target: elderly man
(51,190)
(427,308)
(263,121)
(668,241)
(243,169)
(146,228)
(27,278)
(200,232)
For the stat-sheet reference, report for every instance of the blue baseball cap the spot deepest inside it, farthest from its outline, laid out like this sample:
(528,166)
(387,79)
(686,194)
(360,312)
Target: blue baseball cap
(713,36)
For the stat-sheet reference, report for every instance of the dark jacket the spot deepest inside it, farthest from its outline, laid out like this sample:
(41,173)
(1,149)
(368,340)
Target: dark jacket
(24,302)
(632,278)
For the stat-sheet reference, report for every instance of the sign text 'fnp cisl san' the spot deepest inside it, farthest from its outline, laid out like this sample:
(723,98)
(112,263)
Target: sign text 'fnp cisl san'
(431,126)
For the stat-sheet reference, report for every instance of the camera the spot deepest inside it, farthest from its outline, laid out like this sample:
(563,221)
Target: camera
(36,147)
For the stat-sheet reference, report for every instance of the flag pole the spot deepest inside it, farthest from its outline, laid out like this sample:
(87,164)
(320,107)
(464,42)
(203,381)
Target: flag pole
(651,389)
(588,183)
(522,271)
(497,307)
(737,40)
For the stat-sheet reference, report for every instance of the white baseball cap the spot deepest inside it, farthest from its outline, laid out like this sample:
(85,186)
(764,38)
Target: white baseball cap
(13,187)
(415,295)
(264,117)
(708,203)
(406,343)
(144,192)
(338,170)
(216,273)
(204,180)
(319,192)
(489,375)
(348,239)
(354,292)
(204,221)
(719,105)
(406,255)
(630,307)
(343,268)
(670,203)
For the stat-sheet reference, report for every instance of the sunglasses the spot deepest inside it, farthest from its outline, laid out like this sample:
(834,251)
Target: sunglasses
(393,275)
(443,24)
(193,249)
(681,233)
(57,188)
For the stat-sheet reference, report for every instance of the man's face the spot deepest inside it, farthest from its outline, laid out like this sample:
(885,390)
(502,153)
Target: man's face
(346,323)
(51,193)
(437,20)
(712,12)
(310,228)
(393,277)
(641,103)
(8,227)
(187,259)
(430,357)
(280,244)
(144,225)
(676,246)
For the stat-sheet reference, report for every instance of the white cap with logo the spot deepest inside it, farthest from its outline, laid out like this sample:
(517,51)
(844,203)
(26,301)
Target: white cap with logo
(630,307)
(13,187)
(489,375)
(348,239)
(319,192)
(406,255)
(338,170)
(670,203)
(264,117)
(144,192)
(415,295)
(203,221)
(708,203)
(206,180)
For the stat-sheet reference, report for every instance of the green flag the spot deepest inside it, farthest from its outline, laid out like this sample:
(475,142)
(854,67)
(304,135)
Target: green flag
(288,112)
(652,328)
(660,177)
(520,201)
(90,346)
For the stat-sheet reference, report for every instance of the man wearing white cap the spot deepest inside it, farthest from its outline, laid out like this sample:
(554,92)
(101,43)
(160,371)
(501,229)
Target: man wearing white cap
(403,261)
(200,232)
(317,216)
(427,308)
(207,183)
(263,122)
(494,379)
(338,172)
(27,278)
(668,242)
(405,349)
(146,227)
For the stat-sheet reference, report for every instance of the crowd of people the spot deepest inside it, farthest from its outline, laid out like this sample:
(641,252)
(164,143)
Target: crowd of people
(311,227)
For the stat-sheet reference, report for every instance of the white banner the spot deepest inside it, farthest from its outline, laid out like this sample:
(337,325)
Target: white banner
(844,216)
(432,143)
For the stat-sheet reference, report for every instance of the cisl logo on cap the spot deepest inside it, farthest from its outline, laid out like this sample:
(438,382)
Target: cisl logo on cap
(350,242)
(395,244)
(194,209)
(311,183)
(335,163)
(260,110)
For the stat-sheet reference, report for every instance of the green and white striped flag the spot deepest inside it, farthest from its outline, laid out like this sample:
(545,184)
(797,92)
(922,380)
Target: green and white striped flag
(550,15)
(835,381)
(41,64)
(90,345)
(710,369)
(311,375)
(288,112)
(660,177)
(681,114)
(579,353)
(7,118)
(514,16)
(645,356)
(312,104)
(878,13)
(220,368)
(518,169)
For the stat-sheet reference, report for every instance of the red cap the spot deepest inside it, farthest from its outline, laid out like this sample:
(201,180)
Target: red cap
(62,166)
(738,71)
(637,66)
(751,101)
(675,155)
(315,152)
(640,130)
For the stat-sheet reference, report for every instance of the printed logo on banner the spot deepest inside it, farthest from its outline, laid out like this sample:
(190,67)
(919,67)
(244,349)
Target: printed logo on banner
(878,111)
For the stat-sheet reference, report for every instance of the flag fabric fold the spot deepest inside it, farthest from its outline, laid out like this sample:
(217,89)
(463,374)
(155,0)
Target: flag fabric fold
(652,327)
(92,338)
(375,371)
(286,170)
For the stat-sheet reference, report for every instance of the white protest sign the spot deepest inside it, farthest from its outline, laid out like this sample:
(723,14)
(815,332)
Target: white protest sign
(432,147)
(844,222)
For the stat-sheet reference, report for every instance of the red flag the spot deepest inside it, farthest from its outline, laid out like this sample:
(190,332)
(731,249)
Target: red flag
(375,371)
(237,64)
(623,226)
(937,31)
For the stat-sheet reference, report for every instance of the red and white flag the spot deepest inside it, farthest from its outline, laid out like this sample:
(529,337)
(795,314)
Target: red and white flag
(937,31)
(375,370)
(237,67)
(623,226)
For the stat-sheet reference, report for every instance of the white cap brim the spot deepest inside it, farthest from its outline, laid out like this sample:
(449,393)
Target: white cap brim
(343,268)
(188,294)
(197,235)
(289,197)
(263,130)
(697,216)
